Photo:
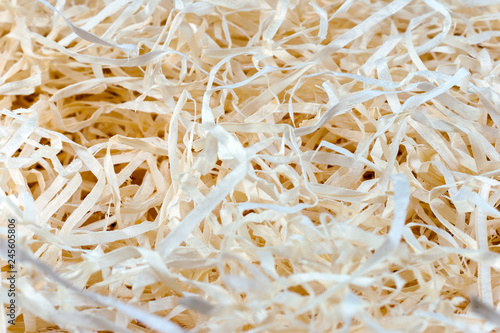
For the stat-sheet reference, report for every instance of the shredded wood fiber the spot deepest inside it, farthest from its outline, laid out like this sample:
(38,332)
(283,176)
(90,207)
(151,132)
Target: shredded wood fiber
(246,165)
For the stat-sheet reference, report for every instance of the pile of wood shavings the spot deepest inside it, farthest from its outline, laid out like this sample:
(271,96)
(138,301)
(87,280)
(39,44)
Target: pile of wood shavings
(260,166)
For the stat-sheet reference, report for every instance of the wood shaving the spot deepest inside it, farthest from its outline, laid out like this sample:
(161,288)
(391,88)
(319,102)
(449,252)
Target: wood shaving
(252,166)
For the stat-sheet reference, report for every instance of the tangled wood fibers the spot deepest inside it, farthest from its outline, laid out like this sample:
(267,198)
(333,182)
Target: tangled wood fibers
(251,165)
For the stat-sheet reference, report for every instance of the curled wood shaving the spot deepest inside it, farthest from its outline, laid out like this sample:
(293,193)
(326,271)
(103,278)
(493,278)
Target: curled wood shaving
(261,166)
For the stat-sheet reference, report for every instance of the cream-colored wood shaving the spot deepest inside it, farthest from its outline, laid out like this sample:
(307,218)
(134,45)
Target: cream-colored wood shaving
(260,166)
